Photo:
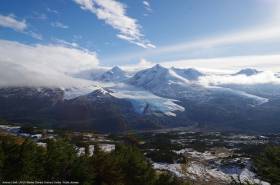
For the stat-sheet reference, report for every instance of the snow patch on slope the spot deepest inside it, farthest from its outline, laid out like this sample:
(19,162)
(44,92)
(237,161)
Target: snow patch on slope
(74,92)
(257,99)
(143,100)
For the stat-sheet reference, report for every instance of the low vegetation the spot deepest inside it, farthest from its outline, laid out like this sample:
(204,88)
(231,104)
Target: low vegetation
(268,165)
(25,161)
(21,159)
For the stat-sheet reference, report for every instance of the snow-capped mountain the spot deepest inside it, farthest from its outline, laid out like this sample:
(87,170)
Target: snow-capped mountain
(190,73)
(156,77)
(157,96)
(167,83)
(248,72)
(115,74)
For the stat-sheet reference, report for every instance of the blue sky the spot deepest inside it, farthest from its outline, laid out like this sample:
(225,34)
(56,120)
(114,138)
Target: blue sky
(125,32)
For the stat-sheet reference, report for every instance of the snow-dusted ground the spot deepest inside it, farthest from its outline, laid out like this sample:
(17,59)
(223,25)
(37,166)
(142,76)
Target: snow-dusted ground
(194,154)
(10,128)
(198,168)
(107,147)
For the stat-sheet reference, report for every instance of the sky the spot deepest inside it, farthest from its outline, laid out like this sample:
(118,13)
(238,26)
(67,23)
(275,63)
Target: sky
(67,36)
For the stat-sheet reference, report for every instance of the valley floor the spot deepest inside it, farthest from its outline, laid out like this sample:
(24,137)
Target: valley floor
(213,157)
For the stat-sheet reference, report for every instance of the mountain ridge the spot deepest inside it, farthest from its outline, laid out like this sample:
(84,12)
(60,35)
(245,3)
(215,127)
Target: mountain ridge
(156,97)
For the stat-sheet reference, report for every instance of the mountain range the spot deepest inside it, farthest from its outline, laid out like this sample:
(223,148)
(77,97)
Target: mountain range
(153,98)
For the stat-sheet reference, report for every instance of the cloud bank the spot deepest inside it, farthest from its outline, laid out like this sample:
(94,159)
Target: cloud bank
(114,14)
(266,77)
(260,62)
(44,65)
(14,75)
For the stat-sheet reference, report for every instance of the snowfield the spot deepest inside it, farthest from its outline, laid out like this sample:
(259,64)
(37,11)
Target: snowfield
(142,100)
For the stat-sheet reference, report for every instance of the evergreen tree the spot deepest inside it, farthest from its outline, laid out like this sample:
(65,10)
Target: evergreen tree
(268,165)
(11,165)
(25,160)
(2,159)
(60,159)
(82,171)
(134,166)
(106,169)
(166,178)
(31,160)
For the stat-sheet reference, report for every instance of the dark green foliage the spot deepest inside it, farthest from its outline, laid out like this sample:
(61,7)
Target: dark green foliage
(163,156)
(10,164)
(136,170)
(268,165)
(169,179)
(2,159)
(131,140)
(60,159)
(21,161)
(3,122)
(24,160)
(82,172)
(106,169)
(29,160)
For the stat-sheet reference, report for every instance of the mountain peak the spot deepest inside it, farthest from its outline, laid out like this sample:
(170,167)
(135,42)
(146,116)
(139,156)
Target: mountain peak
(190,73)
(113,75)
(116,69)
(247,72)
(158,66)
(155,77)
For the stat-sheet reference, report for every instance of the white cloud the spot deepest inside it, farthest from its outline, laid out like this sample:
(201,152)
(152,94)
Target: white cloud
(114,14)
(266,77)
(10,21)
(34,35)
(58,24)
(147,5)
(16,75)
(142,64)
(260,62)
(42,64)
(66,43)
